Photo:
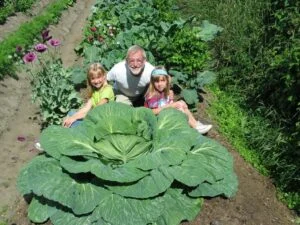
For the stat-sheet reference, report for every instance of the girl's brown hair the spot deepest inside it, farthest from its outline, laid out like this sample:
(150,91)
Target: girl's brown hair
(95,69)
(151,90)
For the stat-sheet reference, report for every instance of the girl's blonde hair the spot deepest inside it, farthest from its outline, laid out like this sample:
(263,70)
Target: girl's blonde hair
(151,90)
(95,69)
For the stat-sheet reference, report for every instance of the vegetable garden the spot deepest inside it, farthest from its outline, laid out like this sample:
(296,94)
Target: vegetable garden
(96,174)
(113,168)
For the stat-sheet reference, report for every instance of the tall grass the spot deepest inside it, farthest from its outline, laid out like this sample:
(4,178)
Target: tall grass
(257,131)
(258,140)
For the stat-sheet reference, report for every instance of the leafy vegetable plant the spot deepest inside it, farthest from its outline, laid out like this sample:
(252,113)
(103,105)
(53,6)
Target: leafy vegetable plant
(176,43)
(124,165)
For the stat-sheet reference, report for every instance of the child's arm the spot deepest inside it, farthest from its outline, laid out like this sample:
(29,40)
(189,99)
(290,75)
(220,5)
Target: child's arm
(102,101)
(78,115)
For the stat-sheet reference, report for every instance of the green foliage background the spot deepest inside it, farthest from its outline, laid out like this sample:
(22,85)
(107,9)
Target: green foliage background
(257,59)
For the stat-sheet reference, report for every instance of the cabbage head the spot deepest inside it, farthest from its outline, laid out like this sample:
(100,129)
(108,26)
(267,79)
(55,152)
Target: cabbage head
(125,166)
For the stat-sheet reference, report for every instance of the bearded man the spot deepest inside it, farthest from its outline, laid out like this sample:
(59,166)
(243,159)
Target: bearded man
(131,77)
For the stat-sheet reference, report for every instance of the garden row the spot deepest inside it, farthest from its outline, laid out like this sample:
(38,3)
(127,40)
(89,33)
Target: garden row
(97,172)
(257,61)
(166,38)
(26,35)
(10,7)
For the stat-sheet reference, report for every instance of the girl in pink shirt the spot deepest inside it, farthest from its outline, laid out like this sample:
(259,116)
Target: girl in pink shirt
(159,96)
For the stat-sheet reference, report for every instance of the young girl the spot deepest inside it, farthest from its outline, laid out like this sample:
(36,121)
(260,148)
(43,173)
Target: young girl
(159,96)
(99,93)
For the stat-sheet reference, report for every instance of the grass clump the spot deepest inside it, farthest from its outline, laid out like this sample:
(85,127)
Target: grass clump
(258,141)
(257,59)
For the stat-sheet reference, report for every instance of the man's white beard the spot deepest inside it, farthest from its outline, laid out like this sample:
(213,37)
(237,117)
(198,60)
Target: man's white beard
(136,71)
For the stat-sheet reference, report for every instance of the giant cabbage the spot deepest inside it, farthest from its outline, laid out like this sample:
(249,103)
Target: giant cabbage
(125,166)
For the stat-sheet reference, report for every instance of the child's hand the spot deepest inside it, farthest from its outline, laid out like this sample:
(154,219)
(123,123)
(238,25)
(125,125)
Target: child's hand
(68,121)
(183,105)
(180,105)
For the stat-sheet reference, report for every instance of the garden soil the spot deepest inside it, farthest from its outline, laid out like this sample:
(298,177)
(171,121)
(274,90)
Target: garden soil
(254,204)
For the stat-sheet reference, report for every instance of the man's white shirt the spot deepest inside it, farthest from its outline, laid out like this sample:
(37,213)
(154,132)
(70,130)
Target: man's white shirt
(127,84)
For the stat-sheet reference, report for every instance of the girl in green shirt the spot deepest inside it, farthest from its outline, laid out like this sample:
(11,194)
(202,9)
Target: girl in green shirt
(99,93)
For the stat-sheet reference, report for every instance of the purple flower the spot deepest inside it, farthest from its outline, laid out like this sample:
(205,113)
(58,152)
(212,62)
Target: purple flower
(40,47)
(45,35)
(29,57)
(54,42)
(18,49)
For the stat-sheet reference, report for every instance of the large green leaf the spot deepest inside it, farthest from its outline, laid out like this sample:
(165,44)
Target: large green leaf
(66,218)
(48,180)
(105,172)
(190,96)
(91,54)
(114,125)
(40,209)
(23,184)
(156,183)
(57,140)
(178,207)
(146,122)
(115,208)
(173,124)
(209,30)
(227,187)
(171,120)
(168,209)
(166,151)
(122,147)
(111,118)
(37,212)
(207,162)
(78,75)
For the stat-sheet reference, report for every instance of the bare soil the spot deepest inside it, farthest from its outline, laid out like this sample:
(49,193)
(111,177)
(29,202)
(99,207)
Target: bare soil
(254,204)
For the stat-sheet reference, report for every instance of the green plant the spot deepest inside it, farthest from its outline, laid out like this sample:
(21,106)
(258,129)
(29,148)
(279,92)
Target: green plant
(259,141)
(54,93)
(23,5)
(51,83)
(115,26)
(26,35)
(6,10)
(184,50)
(124,165)
(257,59)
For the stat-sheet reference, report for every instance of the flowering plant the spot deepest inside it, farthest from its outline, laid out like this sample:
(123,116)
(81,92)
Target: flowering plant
(47,44)
(51,85)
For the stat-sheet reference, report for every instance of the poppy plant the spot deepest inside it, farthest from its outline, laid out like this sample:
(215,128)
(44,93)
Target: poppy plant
(45,35)
(54,42)
(29,57)
(40,47)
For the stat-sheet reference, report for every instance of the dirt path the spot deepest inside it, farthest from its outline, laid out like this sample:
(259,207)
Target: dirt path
(19,124)
(254,204)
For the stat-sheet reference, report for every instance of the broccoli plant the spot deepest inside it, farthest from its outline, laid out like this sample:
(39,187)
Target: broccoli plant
(125,165)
